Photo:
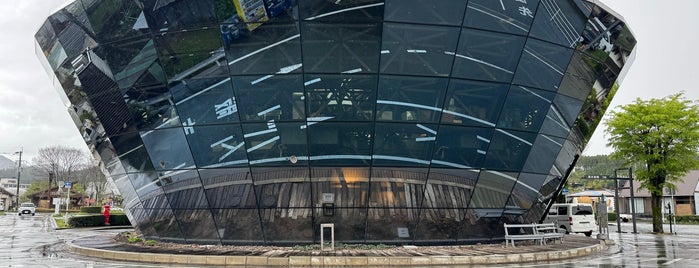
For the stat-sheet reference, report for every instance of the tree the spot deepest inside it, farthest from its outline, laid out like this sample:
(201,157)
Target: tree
(62,161)
(93,179)
(663,136)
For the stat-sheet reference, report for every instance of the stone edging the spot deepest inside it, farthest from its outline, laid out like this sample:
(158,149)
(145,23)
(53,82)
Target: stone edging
(335,260)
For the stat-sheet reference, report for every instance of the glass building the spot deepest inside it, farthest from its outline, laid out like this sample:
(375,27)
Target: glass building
(400,121)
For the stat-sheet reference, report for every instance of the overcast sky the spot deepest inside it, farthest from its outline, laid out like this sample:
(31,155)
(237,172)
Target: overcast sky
(32,115)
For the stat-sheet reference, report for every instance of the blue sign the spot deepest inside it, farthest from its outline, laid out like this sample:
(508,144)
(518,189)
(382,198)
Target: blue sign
(564,191)
(68,184)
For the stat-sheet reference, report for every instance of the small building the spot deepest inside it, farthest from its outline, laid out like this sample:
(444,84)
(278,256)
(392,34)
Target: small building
(43,200)
(592,197)
(682,201)
(7,199)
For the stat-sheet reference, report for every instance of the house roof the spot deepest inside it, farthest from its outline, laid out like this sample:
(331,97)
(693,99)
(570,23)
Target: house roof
(6,192)
(685,187)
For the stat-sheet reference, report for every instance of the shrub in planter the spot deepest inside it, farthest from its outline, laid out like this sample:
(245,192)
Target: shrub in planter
(91,210)
(86,220)
(118,220)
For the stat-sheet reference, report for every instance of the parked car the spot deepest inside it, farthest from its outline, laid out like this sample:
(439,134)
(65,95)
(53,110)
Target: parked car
(27,208)
(573,217)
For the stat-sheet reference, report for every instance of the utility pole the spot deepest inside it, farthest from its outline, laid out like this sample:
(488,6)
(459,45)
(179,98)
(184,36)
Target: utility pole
(616,179)
(19,172)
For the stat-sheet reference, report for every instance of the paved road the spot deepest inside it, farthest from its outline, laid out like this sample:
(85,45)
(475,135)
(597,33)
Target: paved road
(27,241)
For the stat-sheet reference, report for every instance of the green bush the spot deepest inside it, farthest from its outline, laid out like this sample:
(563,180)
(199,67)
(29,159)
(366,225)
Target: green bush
(151,242)
(91,210)
(611,216)
(86,220)
(687,219)
(135,239)
(118,220)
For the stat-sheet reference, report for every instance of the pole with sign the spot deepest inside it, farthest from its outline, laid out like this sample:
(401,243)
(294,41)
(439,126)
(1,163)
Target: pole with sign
(68,185)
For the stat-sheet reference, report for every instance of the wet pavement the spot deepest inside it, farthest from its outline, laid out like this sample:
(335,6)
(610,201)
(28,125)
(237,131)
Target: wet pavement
(29,241)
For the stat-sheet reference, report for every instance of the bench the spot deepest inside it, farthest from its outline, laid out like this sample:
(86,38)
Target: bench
(537,232)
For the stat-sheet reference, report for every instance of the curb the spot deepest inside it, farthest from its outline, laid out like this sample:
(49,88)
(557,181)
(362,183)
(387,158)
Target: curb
(336,260)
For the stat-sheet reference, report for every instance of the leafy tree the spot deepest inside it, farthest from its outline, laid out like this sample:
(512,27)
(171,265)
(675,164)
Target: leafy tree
(661,134)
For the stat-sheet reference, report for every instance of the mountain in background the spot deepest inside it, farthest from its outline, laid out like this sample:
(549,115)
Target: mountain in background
(7,163)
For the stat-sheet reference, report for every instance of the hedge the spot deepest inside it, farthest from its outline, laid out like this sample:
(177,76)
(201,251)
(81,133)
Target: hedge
(89,210)
(97,220)
(690,219)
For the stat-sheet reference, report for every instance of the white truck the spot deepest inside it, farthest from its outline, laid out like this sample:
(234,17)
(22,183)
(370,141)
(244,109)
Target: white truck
(573,217)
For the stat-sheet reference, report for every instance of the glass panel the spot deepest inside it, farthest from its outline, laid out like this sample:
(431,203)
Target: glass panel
(271,48)
(341,198)
(115,19)
(145,184)
(446,12)
(542,65)
(473,103)
(447,194)
(569,107)
(403,98)
(534,214)
(217,146)
(461,147)
(151,107)
(179,15)
(355,10)
(493,189)
(205,101)
(185,53)
(141,222)
(503,16)
(198,226)
(184,190)
(417,49)
(560,22)
(481,224)
(509,149)
(345,144)
(168,149)
(533,182)
(228,188)
(132,153)
(238,226)
(164,224)
(554,124)
(341,97)
(487,55)
(278,144)
(341,48)
(265,98)
(129,59)
(127,191)
(386,224)
(568,153)
(581,76)
(543,154)
(403,144)
(525,108)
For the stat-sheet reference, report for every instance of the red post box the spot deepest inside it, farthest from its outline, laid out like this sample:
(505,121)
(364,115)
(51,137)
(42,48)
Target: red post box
(106,214)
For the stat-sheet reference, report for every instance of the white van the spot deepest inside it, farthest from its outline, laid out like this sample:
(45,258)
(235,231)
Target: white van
(574,218)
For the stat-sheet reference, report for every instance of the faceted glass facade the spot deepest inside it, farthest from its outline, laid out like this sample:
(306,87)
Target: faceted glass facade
(400,121)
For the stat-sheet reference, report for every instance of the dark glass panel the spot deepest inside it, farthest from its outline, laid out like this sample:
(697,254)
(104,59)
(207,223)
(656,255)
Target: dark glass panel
(542,65)
(184,189)
(341,97)
(140,221)
(462,147)
(108,156)
(356,10)
(115,19)
(127,191)
(269,49)
(277,144)
(46,39)
(534,214)
(136,52)
(525,108)
(345,144)
(532,182)
(487,55)
(229,188)
(463,180)
(439,224)
(217,146)
(265,98)
(493,189)
(447,12)
(581,76)
(543,154)
(341,196)
(549,188)
(568,107)
(133,155)
(509,150)
(446,196)
(341,47)
(403,144)
(568,153)
(168,149)
(417,49)
(179,15)
(503,16)
(165,225)
(151,107)
(404,98)
(144,183)
(385,224)
(238,226)
(560,22)
(473,103)
(554,123)
(481,224)
(205,101)
(198,226)
(183,54)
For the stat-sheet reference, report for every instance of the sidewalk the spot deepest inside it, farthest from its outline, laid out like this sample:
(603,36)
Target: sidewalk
(106,247)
